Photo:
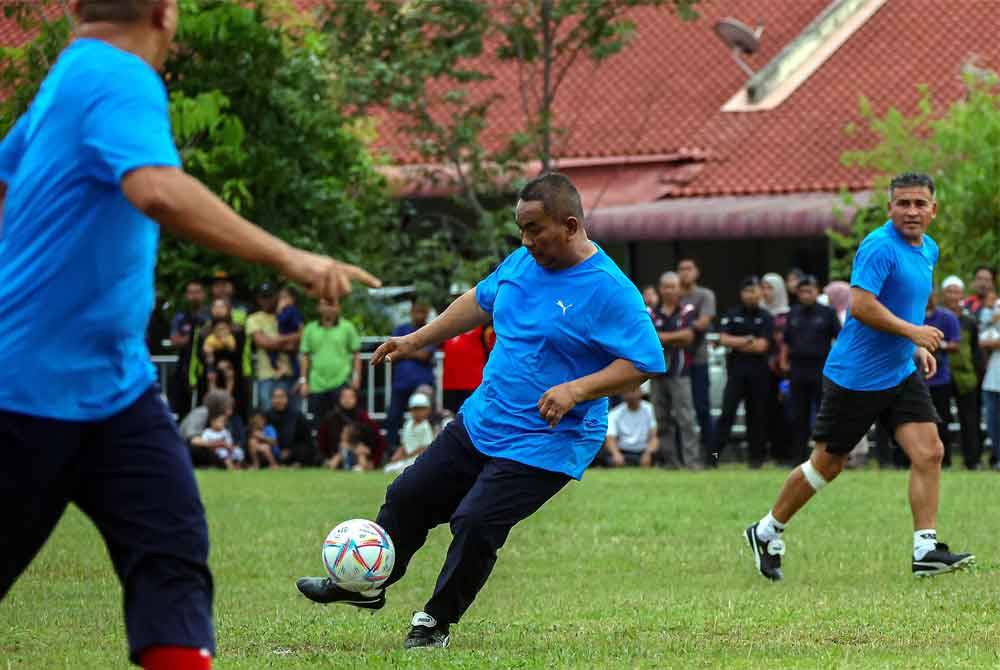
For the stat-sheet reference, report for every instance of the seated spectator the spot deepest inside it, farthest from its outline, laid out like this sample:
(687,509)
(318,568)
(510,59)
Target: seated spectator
(346,413)
(417,433)
(353,454)
(202,452)
(632,433)
(263,442)
(294,437)
(216,435)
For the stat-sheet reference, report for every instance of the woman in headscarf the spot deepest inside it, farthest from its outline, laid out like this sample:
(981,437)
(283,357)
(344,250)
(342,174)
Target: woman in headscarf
(775,301)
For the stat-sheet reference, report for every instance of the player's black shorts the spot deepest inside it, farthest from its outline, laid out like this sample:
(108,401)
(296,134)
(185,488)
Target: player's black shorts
(845,415)
(131,474)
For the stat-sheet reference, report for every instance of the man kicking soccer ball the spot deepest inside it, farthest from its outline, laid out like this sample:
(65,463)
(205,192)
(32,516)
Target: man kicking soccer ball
(870,376)
(83,176)
(571,329)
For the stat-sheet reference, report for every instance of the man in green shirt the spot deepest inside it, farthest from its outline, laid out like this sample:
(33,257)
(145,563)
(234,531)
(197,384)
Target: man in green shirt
(330,358)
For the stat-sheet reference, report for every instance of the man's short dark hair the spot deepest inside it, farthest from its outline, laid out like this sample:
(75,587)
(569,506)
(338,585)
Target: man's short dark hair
(558,196)
(990,269)
(909,180)
(115,11)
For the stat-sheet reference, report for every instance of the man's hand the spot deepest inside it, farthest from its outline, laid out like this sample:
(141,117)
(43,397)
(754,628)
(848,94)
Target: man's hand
(927,337)
(324,277)
(617,459)
(304,389)
(926,362)
(646,460)
(398,347)
(555,402)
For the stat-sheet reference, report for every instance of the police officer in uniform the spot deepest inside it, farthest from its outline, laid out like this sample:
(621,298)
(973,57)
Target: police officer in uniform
(746,331)
(810,332)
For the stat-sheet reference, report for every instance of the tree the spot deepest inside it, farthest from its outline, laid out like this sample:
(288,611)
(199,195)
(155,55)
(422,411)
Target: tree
(255,117)
(958,149)
(420,61)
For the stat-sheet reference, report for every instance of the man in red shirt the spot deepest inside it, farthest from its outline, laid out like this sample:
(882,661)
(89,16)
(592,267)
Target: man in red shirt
(464,359)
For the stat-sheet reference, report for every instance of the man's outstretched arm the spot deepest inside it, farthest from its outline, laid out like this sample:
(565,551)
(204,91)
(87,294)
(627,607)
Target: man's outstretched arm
(182,205)
(462,315)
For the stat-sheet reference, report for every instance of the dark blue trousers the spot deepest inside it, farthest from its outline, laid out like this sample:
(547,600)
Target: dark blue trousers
(131,474)
(702,404)
(481,497)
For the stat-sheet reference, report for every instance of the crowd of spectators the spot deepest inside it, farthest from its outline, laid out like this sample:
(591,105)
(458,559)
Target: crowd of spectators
(275,390)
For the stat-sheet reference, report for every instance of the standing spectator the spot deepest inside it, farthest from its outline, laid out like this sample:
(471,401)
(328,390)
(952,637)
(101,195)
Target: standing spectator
(651,298)
(985,292)
(940,384)
(809,335)
(632,431)
(671,392)
(409,370)
(290,322)
(223,289)
(775,299)
(262,329)
(838,294)
(464,359)
(226,369)
(330,359)
(964,373)
(347,412)
(295,441)
(989,341)
(184,329)
(703,301)
(792,279)
(746,330)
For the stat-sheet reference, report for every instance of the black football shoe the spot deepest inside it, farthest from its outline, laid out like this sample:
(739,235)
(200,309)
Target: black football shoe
(940,560)
(766,555)
(426,633)
(322,590)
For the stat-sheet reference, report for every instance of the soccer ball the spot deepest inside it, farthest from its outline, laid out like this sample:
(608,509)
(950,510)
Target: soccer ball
(358,555)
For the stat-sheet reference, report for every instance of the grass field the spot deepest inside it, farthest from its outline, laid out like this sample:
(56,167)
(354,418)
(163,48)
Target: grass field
(627,569)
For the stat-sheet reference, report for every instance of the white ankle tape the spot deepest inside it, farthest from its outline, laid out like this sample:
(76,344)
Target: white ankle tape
(813,476)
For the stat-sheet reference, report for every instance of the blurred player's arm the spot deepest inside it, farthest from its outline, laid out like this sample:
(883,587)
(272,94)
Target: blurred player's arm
(182,205)
(866,308)
(462,315)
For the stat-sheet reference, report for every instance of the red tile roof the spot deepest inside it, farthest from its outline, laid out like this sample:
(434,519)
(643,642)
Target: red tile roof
(663,94)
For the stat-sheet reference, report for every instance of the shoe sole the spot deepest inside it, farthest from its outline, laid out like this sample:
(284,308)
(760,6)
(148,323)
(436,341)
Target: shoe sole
(443,645)
(942,569)
(360,604)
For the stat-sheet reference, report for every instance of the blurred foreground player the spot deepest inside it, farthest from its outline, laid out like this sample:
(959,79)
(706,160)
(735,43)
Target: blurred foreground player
(85,175)
(870,375)
(571,329)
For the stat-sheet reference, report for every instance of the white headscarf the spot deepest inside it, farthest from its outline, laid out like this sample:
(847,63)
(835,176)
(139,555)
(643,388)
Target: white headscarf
(778,304)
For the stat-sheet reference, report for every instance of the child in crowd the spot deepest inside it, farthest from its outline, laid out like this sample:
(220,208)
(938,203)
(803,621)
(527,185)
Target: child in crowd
(353,453)
(290,321)
(220,340)
(417,433)
(217,433)
(263,442)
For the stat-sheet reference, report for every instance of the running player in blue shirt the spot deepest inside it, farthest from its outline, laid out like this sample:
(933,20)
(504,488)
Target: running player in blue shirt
(85,176)
(872,375)
(571,329)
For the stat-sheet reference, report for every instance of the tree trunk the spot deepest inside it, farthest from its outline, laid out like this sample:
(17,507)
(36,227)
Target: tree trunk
(546,110)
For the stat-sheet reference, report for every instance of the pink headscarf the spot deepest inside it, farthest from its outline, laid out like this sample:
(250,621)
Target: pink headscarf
(839,293)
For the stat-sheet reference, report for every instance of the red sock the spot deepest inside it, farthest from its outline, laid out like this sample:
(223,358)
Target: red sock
(176,658)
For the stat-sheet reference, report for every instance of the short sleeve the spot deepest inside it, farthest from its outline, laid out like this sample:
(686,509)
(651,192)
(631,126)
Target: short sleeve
(725,325)
(952,332)
(613,424)
(486,290)
(707,307)
(623,329)
(305,345)
(767,326)
(12,148)
(128,127)
(253,325)
(176,323)
(872,265)
(353,338)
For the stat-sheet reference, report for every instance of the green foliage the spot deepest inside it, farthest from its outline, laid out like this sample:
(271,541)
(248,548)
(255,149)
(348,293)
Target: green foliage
(958,149)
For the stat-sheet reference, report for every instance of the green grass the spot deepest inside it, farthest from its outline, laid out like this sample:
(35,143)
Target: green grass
(627,569)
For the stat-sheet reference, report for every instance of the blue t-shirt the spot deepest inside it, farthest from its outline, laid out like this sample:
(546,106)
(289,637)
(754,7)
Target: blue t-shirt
(76,258)
(900,276)
(945,321)
(410,373)
(553,327)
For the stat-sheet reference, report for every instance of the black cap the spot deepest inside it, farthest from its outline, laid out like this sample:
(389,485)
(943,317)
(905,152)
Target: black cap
(266,289)
(808,280)
(748,281)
